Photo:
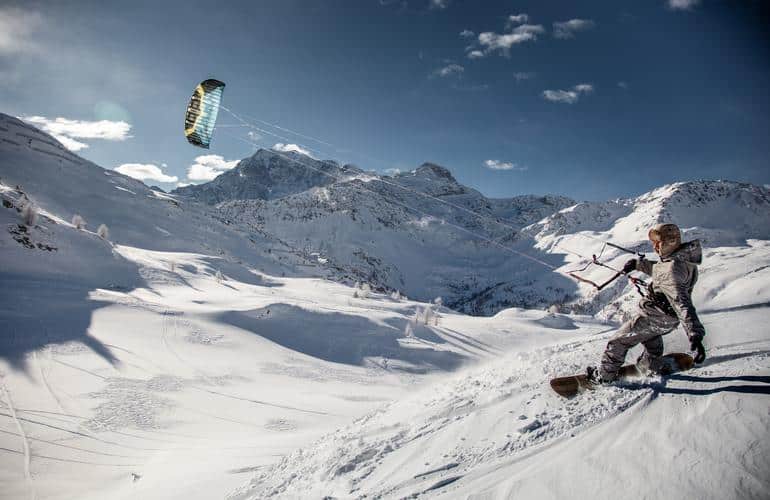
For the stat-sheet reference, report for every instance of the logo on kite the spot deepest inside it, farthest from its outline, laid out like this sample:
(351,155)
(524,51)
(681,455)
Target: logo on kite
(202,112)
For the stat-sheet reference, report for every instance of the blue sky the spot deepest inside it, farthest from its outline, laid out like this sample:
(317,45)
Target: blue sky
(594,99)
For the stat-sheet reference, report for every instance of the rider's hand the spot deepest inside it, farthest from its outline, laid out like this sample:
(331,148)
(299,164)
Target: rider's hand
(696,344)
(629,266)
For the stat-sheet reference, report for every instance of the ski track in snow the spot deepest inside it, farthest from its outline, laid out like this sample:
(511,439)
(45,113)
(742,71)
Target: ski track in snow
(24,440)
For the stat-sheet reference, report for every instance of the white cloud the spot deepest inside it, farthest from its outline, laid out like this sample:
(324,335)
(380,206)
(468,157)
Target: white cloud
(467,34)
(198,172)
(439,4)
(523,75)
(682,4)
(504,165)
(81,129)
(449,70)
(584,88)
(392,171)
(623,85)
(291,148)
(208,167)
(70,144)
(66,131)
(183,184)
(475,54)
(517,19)
(145,172)
(567,29)
(568,96)
(503,42)
(17,30)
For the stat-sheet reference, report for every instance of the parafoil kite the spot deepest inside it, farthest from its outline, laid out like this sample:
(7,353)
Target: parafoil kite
(202,112)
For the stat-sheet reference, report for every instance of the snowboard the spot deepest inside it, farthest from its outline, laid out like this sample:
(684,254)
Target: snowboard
(573,384)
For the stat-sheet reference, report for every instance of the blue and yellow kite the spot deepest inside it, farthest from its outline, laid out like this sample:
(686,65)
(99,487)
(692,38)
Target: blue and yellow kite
(202,112)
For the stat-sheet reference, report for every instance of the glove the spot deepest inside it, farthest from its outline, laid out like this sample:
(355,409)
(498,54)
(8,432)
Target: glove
(696,344)
(629,266)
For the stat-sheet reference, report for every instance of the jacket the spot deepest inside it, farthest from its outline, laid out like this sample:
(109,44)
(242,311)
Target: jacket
(674,277)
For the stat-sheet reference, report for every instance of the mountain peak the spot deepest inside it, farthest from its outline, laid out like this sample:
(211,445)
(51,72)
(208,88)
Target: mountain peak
(436,171)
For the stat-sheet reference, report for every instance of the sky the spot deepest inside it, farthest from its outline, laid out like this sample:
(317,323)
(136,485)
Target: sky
(594,100)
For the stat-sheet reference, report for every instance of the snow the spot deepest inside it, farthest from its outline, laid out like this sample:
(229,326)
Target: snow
(198,355)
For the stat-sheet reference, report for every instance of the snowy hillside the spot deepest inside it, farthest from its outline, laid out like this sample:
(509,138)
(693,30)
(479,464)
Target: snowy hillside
(194,351)
(62,185)
(498,431)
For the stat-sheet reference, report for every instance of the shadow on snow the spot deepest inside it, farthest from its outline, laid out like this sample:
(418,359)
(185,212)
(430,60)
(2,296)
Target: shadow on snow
(339,338)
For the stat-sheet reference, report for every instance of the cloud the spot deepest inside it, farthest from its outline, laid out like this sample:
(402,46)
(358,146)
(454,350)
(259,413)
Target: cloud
(682,4)
(392,171)
(475,54)
(70,144)
(517,19)
(567,29)
(503,42)
(467,34)
(568,96)
(504,165)
(623,85)
(208,167)
(523,75)
(439,4)
(584,88)
(449,70)
(145,172)
(66,131)
(291,148)
(81,129)
(17,30)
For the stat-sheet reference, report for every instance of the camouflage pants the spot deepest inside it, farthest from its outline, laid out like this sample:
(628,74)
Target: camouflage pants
(646,328)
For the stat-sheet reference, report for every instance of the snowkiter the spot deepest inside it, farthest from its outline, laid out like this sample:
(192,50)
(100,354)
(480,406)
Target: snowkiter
(667,304)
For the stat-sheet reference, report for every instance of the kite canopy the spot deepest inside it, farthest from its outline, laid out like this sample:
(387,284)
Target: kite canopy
(202,112)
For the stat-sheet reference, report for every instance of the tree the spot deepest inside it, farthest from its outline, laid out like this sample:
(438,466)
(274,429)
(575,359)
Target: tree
(29,213)
(78,221)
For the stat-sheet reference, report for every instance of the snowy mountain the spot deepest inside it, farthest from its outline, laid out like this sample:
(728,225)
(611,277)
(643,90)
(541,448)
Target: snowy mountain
(196,351)
(420,232)
(266,176)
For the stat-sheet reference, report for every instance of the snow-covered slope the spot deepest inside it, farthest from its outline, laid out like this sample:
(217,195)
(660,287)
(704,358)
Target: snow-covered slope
(498,431)
(189,351)
(63,185)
